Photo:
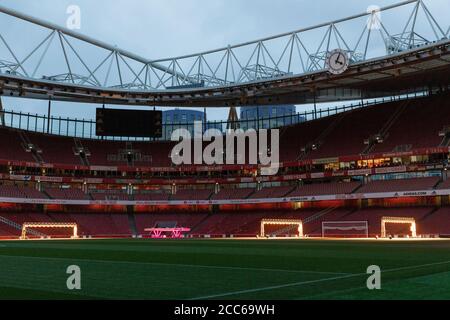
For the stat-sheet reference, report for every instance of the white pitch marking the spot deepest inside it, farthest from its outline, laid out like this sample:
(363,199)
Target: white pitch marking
(226,294)
(184,265)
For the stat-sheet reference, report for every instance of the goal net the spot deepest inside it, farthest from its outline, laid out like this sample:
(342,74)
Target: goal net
(398,226)
(345,229)
(281,228)
(33,227)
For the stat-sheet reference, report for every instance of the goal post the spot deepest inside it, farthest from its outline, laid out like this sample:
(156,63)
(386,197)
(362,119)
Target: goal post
(282,223)
(398,220)
(48,225)
(345,229)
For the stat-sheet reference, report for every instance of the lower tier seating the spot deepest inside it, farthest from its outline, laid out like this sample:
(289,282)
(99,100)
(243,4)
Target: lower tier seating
(430,221)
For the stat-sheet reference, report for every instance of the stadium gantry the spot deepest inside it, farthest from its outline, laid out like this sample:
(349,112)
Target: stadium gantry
(402,41)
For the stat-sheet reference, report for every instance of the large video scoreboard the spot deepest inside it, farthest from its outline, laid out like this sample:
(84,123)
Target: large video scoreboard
(129,123)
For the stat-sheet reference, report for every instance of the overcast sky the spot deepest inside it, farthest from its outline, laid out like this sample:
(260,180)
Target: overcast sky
(164,28)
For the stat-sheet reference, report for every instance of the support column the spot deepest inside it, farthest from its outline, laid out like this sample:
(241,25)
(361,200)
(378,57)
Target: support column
(315,104)
(49,113)
(205,119)
(2,115)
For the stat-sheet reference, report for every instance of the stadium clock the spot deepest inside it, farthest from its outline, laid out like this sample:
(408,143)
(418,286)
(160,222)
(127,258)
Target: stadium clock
(337,61)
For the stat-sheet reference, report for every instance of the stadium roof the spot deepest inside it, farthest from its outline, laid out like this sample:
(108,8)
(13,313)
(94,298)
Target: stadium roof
(258,72)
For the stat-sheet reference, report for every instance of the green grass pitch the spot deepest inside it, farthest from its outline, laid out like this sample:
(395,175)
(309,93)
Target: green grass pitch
(224,269)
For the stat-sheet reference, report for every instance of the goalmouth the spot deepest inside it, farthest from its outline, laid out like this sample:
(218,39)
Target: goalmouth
(285,225)
(345,229)
(48,225)
(398,220)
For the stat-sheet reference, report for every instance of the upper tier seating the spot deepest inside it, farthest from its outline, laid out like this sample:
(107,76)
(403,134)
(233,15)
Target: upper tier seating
(55,149)
(12,148)
(296,137)
(157,152)
(104,153)
(21,192)
(347,138)
(418,126)
(192,195)
(151,196)
(237,193)
(110,195)
(321,189)
(274,192)
(416,184)
(70,194)
(444,185)
(413,124)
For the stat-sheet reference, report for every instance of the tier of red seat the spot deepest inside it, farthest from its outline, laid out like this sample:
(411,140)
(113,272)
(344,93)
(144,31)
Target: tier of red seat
(416,184)
(374,216)
(315,189)
(89,224)
(412,124)
(12,191)
(418,126)
(352,129)
(236,193)
(185,220)
(320,189)
(430,221)
(152,196)
(190,194)
(274,192)
(69,194)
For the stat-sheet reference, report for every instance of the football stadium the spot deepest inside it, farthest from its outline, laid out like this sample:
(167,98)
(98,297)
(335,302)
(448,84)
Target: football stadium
(326,177)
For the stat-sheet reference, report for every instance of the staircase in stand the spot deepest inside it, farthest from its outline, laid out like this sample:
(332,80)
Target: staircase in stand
(320,139)
(319,215)
(83,155)
(384,132)
(34,150)
(19,227)
(132,221)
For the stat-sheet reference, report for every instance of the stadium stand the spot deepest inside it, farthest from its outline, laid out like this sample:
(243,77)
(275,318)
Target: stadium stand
(418,126)
(12,191)
(436,223)
(110,195)
(374,216)
(70,193)
(236,193)
(444,185)
(402,126)
(347,138)
(297,137)
(187,220)
(152,196)
(320,189)
(15,150)
(97,224)
(415,184)
(55,149)
(188,194)
(271,192)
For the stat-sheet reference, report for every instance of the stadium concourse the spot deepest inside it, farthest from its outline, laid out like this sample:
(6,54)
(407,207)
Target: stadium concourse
(383,160)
